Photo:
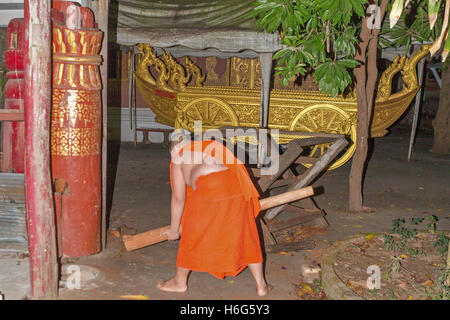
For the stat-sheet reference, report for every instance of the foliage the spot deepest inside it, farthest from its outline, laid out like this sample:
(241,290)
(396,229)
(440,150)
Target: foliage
(413,26)
(320,35)
(431,226)
(444,293)
(399,228)
(442,244)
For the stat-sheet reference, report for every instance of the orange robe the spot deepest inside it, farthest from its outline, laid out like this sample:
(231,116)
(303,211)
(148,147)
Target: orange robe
(219,233)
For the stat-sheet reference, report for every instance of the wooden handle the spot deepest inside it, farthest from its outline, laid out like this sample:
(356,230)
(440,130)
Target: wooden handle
(154,236)
(144,239)
(286,197)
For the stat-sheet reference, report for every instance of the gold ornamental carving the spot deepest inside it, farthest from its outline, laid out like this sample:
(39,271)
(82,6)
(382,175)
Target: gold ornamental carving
(75,123)
(77,142)
(245,73)
(76,59)
(172,76)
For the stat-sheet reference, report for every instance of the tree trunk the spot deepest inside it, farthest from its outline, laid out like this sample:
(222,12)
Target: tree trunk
(441,124)
(366,78)
(356,173)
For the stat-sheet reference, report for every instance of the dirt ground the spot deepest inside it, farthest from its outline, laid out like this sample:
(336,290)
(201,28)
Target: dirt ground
(394,187)
(139,179)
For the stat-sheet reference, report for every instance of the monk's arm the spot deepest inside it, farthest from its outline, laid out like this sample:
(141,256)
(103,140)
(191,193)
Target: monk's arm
(178,199)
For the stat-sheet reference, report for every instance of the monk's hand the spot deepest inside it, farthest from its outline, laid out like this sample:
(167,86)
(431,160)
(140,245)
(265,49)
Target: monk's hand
(172,235)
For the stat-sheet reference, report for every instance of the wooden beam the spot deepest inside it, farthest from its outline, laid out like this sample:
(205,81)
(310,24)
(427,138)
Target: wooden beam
(286,159)
(11,115)
(329,136)
(39,196)
(103,25)
(307,160)
(310,174)
(303,216)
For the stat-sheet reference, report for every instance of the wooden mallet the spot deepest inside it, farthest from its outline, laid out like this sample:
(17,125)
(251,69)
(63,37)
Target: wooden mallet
(133,242)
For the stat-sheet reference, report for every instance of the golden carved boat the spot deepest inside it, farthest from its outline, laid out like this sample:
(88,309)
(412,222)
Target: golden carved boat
(175,92)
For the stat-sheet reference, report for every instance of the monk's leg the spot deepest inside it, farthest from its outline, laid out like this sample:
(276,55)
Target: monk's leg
(262,288)
(177,283)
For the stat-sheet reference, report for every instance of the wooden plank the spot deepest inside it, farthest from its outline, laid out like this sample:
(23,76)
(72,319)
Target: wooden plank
(6,130)
(288,177)
(133,242)
(286,197)
(284,182)
(11,115)
(306,160)
(39,195)
(268,237)
(304,216)
(154,130)
(293,152)
(103,25)
(330,136)
(307,204)
(256,172)
(312,141)
(313,172)
(101,9)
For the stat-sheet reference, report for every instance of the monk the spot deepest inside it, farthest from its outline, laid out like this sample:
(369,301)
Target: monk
(215,203)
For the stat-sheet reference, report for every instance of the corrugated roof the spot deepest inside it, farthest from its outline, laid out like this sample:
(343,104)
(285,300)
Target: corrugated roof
(12,207)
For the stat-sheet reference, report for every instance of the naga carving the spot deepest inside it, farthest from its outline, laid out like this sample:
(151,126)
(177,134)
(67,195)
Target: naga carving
(172,76)
(409,74)
(385,82)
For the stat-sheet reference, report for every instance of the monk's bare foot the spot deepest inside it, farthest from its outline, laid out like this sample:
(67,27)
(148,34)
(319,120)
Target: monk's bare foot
(264,290)
(171,286)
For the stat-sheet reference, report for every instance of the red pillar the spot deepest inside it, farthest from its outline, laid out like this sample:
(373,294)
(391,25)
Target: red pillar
(76,130)
(14,132)
(39,197)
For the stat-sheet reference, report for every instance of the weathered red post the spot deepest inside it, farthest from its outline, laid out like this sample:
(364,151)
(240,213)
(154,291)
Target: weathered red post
(39,197)
(14,132)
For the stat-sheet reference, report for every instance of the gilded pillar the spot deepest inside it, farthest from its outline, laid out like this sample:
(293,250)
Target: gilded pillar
(76,135)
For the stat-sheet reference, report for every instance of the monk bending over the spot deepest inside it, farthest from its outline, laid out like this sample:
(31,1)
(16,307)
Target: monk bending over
(215,203)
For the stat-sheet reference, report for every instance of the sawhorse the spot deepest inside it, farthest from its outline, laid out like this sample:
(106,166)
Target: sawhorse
(146,131)
(305,210)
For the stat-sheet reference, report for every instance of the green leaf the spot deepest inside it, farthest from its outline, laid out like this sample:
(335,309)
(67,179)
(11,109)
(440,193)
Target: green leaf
(348,63)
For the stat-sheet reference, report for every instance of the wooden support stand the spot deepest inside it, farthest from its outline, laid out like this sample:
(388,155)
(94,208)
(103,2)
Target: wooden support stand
(146,131)
(305,210)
